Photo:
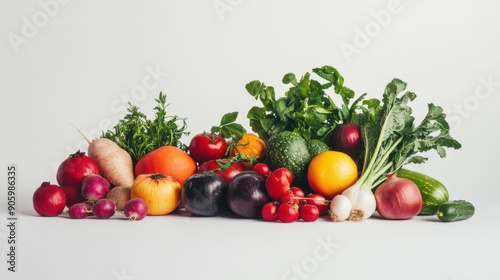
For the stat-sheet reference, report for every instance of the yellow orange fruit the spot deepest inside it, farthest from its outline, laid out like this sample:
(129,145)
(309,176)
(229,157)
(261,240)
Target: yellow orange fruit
(331,172)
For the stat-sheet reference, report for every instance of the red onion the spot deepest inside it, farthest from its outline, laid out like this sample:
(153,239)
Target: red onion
(346,138)
(398,198)
(95,187)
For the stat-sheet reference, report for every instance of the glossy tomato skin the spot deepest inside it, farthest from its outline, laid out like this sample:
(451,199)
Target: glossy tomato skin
(222,167)
(205,146)
(262,168)
(270,212)
(288,213)
(278,183)
(309,212)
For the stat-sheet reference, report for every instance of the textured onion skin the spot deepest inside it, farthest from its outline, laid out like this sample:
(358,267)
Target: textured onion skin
(398,198)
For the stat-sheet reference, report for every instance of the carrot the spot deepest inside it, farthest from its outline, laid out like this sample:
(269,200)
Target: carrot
(115,163)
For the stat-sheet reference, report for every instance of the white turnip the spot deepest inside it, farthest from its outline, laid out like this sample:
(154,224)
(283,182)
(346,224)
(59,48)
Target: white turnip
(115,163)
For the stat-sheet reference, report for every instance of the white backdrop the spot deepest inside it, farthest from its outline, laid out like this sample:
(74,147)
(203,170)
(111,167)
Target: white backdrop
(80,62)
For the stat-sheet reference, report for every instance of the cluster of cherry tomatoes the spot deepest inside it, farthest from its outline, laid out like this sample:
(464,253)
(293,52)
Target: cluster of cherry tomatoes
(290,203)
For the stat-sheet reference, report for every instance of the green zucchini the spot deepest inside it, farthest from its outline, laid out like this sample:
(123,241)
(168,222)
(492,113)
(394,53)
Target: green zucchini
(456,210)
(434,193)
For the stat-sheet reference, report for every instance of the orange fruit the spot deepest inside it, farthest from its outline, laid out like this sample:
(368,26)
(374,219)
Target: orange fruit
(167,160)
(331,172)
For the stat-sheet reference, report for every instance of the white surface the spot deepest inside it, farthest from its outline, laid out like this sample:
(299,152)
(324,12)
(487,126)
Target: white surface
(82,65)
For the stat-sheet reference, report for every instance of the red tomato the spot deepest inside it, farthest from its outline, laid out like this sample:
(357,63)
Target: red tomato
(288,213)
(308,212)
(222,167)
(205,146)
(262,168)
(270,212)
(278,183)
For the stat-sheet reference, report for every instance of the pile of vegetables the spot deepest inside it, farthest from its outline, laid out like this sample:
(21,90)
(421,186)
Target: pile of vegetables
(318,150)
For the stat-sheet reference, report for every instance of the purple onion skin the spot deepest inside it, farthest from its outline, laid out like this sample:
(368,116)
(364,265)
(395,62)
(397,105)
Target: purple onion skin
(95,187)
(346,138)
(135,209)
(79,211)
(104,208)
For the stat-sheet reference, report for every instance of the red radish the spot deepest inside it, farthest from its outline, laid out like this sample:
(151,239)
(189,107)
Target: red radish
(79,211)
(297,192)
(289,198)
(294,196)
(398,198)
(346,137)
(104,208)
(95,187)
(73,169)
(319,201)
(136,209)
(49,200)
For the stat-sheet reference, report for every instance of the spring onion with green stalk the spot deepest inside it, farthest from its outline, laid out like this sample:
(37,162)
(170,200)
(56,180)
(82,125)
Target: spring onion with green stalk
(392,140)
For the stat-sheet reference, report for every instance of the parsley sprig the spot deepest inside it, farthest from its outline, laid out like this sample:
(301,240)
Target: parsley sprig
(138,135)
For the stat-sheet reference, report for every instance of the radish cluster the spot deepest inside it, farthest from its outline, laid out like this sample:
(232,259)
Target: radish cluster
(135,209)
(94,189)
